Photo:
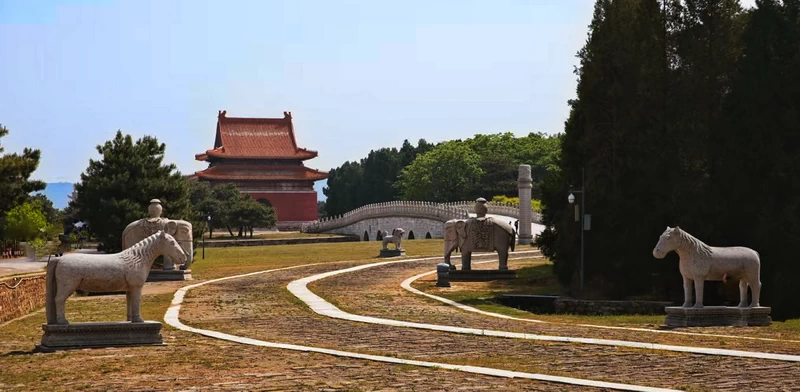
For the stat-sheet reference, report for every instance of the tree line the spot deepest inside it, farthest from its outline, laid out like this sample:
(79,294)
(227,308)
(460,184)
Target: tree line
(687,113)
(114,191)
(483,166)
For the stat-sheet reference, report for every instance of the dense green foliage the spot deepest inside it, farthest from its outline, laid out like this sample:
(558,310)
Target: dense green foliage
(26,221)
(15,173)
(686,114)
(116,190)
(483,166)
(228,208)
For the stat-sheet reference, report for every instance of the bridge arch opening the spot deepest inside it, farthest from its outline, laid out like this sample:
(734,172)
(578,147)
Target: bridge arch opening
(366,236)
(411,235)
(379,236)
(428,235)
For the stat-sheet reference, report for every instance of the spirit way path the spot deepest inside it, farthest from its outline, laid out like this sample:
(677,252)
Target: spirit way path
(257,309)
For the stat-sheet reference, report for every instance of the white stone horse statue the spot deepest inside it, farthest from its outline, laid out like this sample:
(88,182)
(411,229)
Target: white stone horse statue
(397,235)
(700,262)
(126,271)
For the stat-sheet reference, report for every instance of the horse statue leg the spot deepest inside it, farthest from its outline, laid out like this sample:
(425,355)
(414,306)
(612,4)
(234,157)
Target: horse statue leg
(742,293)
(687,292)
(135,298)
(699,282)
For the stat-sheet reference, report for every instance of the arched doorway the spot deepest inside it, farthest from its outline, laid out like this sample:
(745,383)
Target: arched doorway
(411,235)
(428,235)
(264,201)
(366,236)
(379,236)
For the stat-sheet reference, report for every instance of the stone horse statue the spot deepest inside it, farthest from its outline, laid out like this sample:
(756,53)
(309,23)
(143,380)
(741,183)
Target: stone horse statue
(479,234)
(181,230)
(700,262)
(397,235)
(126,271)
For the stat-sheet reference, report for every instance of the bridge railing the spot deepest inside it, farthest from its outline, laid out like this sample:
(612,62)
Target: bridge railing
(505,209)
(411,209)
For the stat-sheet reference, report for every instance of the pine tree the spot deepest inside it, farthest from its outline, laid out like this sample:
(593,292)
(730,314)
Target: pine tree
(117,189)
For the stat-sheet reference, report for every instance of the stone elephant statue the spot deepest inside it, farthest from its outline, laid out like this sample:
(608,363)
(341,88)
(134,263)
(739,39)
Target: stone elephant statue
(478,235)
(181,230)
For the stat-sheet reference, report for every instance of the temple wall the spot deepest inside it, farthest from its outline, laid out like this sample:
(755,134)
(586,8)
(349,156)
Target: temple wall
(291,206)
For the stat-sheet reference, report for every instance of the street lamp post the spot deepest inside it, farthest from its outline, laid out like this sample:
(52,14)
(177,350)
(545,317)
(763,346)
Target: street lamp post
(208,219)
(571,200)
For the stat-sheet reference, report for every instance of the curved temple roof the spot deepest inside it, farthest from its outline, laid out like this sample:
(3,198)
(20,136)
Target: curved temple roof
(254,138)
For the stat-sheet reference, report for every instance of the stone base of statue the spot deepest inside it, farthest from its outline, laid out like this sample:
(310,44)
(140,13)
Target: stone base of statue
(715,316)
(95,335)
(392,252)
(160,275)
(481,275)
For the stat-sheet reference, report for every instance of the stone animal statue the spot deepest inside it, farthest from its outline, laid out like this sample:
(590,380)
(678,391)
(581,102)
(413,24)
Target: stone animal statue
(482,234)
(700,262)
(397,235)
(126,271)
(181,230)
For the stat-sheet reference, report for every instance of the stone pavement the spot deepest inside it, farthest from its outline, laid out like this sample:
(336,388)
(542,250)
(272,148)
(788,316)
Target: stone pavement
(260,307)
(380,295)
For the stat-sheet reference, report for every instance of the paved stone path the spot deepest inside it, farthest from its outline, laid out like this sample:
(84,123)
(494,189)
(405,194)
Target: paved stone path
(259,307)
(318,304)
(172,318)
(406,284)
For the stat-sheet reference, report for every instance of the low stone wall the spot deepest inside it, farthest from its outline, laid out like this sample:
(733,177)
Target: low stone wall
(279,241)
(609,308)
(20,296)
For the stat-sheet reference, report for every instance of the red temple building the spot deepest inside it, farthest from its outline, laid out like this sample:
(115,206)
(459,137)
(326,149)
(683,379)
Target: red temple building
(261,157)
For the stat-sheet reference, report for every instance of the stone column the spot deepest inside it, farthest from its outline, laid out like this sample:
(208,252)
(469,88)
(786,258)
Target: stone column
(525,211)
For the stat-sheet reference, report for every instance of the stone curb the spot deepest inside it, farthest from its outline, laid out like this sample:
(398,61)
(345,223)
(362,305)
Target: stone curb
(406,284)
(172,318)
(316,303)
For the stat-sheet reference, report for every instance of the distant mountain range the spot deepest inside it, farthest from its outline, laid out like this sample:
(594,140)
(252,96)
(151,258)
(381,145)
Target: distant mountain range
(58,193)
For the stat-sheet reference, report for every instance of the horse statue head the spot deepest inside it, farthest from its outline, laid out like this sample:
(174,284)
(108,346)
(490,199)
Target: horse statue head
(168,246)
(670,240)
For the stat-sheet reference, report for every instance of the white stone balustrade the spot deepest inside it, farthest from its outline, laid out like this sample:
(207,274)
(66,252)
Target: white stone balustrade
(413,209)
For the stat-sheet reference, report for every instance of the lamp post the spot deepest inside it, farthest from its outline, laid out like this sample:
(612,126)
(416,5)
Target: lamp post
(571,200)
(208,219)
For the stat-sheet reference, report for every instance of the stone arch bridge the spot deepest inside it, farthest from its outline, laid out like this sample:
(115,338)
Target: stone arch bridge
(418,218)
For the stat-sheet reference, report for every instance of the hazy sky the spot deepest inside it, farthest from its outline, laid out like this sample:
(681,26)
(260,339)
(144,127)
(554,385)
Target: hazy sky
(356,75)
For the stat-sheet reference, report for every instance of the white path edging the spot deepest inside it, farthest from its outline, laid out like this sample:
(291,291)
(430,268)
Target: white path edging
(406,284)
(172,318)
(318,304)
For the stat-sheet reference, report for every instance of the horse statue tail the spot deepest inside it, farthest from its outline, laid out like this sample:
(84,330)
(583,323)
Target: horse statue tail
(50,292)
(513,239)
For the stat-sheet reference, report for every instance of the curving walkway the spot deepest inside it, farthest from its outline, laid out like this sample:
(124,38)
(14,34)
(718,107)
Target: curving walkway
(406,284)
(172,317)
(321,306)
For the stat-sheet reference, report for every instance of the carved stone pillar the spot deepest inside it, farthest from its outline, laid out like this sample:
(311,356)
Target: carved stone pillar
(525,210)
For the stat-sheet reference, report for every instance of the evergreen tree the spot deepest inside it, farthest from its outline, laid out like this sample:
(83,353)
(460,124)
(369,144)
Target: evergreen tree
(116,190)
(15,173)
(757,166)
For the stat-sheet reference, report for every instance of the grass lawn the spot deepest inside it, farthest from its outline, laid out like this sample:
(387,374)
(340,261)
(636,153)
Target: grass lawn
(221,262)
(224,236)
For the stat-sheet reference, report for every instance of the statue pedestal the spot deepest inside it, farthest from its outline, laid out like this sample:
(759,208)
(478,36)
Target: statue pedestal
(713,316)
(169,275)
(392,252)
(481,275)
(95,335)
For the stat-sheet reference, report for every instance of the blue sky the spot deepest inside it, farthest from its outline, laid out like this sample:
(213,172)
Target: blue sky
(357,75)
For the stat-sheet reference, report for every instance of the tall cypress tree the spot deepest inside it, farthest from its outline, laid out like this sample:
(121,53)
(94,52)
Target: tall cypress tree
(757,172)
